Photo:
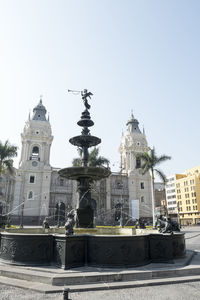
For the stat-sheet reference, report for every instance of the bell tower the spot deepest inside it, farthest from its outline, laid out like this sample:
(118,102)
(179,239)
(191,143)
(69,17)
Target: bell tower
(36,140)
(32,190)
(132,143)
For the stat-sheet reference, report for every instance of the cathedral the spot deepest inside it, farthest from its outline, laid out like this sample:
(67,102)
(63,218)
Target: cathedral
(40,192)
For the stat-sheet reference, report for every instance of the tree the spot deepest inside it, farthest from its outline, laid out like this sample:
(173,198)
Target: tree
(94,160)
(149,162)
(7,152)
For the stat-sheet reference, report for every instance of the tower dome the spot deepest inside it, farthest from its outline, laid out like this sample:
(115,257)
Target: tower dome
(133,125)
(132,143)
(39,112)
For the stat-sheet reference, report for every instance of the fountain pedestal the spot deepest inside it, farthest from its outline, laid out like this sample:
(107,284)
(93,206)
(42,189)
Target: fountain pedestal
(84,217)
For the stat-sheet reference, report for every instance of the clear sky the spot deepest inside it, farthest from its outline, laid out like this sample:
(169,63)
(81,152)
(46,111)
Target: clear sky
(140,55)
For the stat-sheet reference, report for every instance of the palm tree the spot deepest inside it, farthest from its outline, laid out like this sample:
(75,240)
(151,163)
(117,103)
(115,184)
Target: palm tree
(94,160)
(77,162)
(149,161)
(7,152)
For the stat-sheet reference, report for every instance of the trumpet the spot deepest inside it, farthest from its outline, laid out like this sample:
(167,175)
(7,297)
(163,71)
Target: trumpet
(73,91)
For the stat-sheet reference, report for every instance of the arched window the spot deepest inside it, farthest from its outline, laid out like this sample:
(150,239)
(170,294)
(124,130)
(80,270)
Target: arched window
(61,181)
(35,153)
(35,150)
(30,195)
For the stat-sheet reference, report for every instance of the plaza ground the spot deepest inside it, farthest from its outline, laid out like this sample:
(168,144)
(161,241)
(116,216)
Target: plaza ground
(185,291)
(189,290)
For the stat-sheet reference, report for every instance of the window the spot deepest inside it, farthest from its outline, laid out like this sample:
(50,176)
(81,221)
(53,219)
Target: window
(138,163)
(35,153)
(30,195)
(32,179)
(1,179)
(61,182)
(35,150)
(119,184)
(142,185)
(142,199)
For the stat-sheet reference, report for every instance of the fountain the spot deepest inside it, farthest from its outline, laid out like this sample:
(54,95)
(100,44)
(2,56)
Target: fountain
(93,247)
(85,174)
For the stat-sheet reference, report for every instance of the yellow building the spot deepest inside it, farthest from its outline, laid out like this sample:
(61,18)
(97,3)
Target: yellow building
(188,196)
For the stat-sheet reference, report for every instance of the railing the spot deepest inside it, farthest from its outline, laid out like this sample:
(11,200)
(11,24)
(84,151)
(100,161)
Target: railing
(35,158)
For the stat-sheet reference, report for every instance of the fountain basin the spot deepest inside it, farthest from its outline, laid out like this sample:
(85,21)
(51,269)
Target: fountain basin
(94,173)
(93,250)
(85,141)
(26,249)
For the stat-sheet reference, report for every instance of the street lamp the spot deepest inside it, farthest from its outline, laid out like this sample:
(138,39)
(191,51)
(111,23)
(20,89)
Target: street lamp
(58,224)
(22,215)
(179,220)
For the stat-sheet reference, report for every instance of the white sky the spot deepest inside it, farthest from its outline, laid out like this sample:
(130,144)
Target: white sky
(131,54)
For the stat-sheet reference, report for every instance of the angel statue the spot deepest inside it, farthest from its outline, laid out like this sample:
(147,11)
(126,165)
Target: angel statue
(85,94)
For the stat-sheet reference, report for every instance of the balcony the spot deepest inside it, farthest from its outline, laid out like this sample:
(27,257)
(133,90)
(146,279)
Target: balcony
(34,157)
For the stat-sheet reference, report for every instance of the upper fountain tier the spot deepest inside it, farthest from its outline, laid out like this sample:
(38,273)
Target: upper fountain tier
(85,139)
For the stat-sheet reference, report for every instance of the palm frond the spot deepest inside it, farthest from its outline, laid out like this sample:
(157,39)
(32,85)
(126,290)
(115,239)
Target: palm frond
(163,158)
(93,160)
(161,175)
(149,160)
(77,162)
(7,152)
(80,151)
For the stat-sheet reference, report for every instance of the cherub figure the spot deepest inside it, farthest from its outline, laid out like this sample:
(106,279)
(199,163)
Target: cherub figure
(85,94)
(69,224)
(45,223)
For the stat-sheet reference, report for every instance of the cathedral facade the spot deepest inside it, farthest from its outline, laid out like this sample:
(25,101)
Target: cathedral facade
(40,192)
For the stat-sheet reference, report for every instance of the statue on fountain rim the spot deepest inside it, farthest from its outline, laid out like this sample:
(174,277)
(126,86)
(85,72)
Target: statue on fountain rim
(69,224)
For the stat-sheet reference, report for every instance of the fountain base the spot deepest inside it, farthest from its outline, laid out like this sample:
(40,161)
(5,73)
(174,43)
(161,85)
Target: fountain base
(93,250)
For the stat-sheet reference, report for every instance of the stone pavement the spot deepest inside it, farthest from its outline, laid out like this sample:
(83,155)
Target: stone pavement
(185,291)
(52,280)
